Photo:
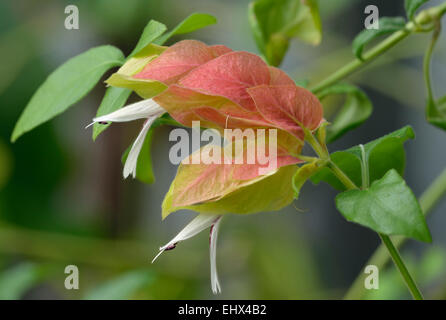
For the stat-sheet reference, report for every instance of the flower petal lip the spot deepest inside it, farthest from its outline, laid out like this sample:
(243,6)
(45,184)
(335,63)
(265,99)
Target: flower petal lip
(132,158)
(146,109)
(213,235)
(198,224)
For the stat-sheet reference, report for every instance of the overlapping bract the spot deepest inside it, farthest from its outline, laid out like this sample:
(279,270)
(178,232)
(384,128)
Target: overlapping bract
(224,89)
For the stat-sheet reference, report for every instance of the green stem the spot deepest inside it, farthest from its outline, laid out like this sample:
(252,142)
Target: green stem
(393,251)
(320,150)
(434,193)
(386,239)
(364,168)
(428,200)
(357,64)
(350,185)
(423,18)
(427,63)
(431,106)
(346,181)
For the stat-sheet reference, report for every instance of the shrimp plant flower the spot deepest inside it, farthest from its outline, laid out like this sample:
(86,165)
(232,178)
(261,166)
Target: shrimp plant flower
(223,89)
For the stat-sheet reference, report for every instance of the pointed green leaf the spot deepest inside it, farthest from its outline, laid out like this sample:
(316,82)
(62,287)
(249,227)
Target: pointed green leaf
(67,85)
(275,22)
(388,207)
(356,109)
(152,31)
(412,6)
(192,23)
(386,25)
(382,154)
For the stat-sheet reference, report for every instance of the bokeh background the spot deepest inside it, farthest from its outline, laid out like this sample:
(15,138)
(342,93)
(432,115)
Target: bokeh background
(63,200)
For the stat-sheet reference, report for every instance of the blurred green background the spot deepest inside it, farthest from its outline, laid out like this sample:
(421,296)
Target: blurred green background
(63,200)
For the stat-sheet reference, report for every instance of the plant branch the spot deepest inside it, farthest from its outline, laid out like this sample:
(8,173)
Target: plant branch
(350,185)
(391,249)
(428,200)
(423,18)
(431,105)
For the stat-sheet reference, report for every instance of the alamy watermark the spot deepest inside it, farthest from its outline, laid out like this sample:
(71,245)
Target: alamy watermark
(372,280)
(247,146)
(72,280)
(72,20)
(372,20)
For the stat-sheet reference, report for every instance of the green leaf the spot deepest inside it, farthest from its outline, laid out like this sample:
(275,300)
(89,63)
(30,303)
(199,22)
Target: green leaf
(192,23)
(386,25)
(412,6)
(356,109)
(123,287)
(67,85)
(303,174)
(388,207)
(144,170)
(113,100)
(382,155)
(275,22)
(153,30)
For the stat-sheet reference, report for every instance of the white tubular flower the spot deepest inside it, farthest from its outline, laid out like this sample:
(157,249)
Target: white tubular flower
(139,110)
(215,284)
(200,223)
(146,109)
